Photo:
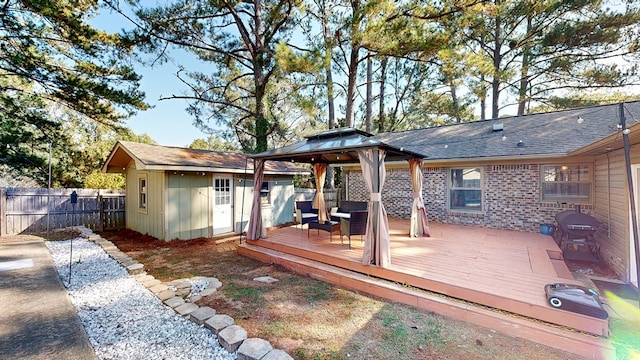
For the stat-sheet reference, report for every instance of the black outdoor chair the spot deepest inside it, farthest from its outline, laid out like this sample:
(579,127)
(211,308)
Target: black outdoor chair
(355,225)
(305,213)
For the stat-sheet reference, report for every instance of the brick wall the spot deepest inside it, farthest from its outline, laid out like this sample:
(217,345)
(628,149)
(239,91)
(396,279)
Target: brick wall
(511,197)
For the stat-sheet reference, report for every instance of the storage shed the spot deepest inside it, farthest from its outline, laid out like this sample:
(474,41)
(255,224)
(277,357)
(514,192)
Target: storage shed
(181,193)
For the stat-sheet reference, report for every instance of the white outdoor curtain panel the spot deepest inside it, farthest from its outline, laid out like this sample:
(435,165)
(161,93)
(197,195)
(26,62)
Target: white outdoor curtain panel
(256,225)
(376,246)
(419,222)
(320,173)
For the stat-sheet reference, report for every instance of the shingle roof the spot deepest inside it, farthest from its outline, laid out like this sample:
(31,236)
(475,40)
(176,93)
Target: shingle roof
(159,157)
(545,134)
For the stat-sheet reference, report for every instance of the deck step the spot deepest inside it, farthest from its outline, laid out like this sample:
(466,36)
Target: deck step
(581,344)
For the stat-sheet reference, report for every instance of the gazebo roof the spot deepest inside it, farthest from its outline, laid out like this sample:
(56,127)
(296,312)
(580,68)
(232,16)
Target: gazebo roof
(336,146)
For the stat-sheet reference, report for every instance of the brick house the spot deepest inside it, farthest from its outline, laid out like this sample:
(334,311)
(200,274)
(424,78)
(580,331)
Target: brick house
(518,172)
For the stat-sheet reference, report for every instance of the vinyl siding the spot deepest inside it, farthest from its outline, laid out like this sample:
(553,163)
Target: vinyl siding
(612,209)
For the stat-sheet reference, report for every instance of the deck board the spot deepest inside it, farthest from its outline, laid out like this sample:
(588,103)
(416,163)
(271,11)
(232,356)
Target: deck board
(497,268)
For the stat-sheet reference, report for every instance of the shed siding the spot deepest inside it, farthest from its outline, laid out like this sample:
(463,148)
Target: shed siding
(243,198)
(282,200)
(280,208)
(180,206)
(188,206)
(151,221)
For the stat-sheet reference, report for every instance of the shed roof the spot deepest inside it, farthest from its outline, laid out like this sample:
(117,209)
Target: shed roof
(158,157)
(550,134)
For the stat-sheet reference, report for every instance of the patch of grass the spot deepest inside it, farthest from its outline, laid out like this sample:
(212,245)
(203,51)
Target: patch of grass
(163,272)
(277,328)
(318,291)
(402,332)
(252,295)
(306,354)
(174,260)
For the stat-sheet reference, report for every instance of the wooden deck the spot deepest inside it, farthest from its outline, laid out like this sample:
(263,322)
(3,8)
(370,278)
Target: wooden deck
(500,269)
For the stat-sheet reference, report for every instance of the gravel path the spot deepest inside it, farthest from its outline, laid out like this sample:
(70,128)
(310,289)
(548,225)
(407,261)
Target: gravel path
(122,318)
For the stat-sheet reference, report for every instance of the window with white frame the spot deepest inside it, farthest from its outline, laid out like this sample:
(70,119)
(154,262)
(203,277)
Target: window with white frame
(567,183)
(265,197)
(222,191)
(142,193)
(465,189)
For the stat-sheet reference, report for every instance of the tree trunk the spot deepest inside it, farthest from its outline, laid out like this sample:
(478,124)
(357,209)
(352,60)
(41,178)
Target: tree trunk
(351,85)
(354,58)
(262,123)
(497,77)
(524,74)
(383,80)
(331,183)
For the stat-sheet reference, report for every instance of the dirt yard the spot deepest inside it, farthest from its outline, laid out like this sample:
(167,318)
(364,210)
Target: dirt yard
(310,319)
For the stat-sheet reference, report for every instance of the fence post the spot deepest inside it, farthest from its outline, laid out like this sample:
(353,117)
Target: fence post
(100,212)
(3,211)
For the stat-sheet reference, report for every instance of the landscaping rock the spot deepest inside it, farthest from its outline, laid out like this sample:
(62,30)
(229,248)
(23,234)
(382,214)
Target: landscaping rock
(208,291)
(186,309)
(135,268)
(167,294)
(201,315)
(277,354)
(218,322)
(214,283)
(182,287)
(232,337)
(266,279)
(158,288)
(150,282)
(142,278)
(174,301)
(253,349)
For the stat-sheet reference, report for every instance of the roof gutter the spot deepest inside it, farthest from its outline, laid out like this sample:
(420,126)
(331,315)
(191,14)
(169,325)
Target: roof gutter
(214,169)
(494,158)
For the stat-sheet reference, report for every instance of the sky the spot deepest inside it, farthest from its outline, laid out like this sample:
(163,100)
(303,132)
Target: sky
(167,122)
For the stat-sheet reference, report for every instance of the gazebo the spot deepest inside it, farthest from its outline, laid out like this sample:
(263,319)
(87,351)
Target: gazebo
(345,146)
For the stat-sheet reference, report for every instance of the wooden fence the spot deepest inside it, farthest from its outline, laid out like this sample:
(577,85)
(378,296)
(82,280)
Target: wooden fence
(36,210)
(331,197)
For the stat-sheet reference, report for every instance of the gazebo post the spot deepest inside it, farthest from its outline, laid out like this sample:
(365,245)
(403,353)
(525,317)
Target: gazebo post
(376,204)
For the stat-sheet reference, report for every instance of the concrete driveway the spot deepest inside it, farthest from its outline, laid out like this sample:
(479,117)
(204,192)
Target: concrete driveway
(37,319)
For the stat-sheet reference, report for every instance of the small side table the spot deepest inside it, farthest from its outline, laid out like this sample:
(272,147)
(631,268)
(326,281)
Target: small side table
(328,226)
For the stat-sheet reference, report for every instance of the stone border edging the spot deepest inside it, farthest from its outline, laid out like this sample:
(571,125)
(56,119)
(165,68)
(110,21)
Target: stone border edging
(232,337)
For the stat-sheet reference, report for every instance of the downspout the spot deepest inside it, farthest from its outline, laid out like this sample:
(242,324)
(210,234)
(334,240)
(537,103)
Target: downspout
(627,161)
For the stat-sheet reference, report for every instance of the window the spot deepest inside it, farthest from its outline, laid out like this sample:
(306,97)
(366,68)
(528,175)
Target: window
(264,193)
(465,189)
(222,191)
(142,193)
(566,183)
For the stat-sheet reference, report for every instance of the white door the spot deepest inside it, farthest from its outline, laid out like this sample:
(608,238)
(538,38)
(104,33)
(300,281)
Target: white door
(222,205)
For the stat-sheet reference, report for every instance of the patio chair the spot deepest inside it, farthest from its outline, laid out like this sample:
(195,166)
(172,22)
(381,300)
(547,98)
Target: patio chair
(355,225)
(305,213)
